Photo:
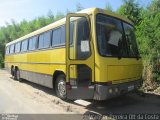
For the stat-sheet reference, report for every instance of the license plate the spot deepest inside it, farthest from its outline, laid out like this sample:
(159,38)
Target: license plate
(130,88)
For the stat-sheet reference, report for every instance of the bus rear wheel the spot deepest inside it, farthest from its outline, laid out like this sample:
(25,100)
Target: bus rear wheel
(12,71)
(17,75)
(60,87)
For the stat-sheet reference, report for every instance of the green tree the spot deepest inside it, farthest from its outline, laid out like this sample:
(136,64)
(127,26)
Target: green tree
(108,7)
(1,61)
(131,10)
(59,16)
(50,17)
(148,35)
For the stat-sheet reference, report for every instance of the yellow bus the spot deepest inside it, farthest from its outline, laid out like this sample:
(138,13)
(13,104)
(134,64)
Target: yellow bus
(91,54)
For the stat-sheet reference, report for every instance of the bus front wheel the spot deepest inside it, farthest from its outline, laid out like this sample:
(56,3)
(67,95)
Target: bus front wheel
(61,87)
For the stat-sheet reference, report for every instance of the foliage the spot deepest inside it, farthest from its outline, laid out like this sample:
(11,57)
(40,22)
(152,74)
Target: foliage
(148,34)
(131,10)
(108,7)
(1,61)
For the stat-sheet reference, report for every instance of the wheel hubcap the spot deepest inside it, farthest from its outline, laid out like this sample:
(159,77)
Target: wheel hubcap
(62,88)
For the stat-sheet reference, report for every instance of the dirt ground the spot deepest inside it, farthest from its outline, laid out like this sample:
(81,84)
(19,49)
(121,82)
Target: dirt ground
(29,98)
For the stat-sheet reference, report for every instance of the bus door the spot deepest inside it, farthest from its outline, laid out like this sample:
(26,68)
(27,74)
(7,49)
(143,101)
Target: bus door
(79,57)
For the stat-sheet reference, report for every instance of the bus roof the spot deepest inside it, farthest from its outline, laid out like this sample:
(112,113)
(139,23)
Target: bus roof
(62,21)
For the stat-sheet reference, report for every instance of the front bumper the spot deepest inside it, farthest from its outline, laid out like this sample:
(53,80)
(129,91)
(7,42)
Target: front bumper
(103,92)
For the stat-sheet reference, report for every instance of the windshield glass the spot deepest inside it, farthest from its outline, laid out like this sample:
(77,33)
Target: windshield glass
(115,38)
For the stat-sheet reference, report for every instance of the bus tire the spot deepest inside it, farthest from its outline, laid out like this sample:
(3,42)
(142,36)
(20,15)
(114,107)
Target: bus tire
(12,71)
(17,75)
(60,87)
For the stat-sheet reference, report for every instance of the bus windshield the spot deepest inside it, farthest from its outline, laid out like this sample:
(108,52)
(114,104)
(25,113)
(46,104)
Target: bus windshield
(115,38)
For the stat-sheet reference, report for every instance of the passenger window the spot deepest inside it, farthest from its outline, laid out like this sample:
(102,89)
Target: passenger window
(47,38)
(12,49)
(44,40)
(63,35)
(7,50)
(41,40)
(56,37)
(32,43)
(24,45)
(17,47)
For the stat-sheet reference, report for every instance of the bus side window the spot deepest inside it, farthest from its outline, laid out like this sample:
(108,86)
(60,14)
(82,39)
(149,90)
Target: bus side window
(7,50)
(56,37)
(44,40)
(24,45)
(17,47)
(11,49)
(63,37)
(32,43)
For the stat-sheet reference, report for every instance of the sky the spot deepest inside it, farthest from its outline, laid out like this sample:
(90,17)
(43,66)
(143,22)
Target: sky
(31,9)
